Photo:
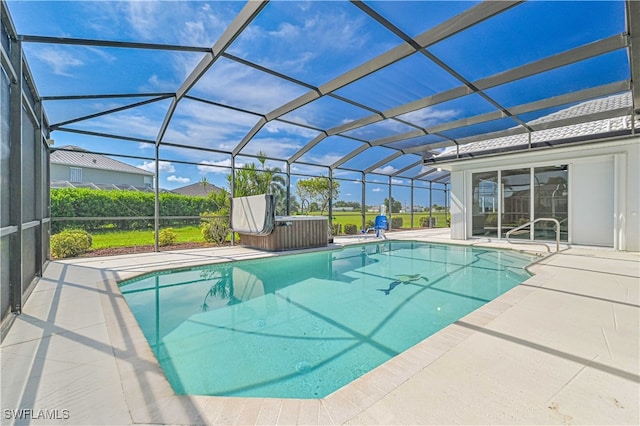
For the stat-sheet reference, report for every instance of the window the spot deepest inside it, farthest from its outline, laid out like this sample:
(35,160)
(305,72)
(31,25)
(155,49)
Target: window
(75,174)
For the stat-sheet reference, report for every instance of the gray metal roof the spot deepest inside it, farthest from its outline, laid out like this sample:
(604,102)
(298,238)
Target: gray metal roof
(74,156)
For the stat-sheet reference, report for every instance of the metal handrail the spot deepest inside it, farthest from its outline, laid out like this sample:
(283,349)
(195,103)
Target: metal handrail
(540,219)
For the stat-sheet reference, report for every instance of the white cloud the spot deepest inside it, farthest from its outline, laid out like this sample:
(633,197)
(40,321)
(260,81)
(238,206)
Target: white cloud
(221,166)
(60,61)
(174,178)
(395,181)
(272,147)
(163,166)
(324,29)
(326,159)
(430,116)
(236,84)
(196,123)
(376,190)
(137,124)
(386,170)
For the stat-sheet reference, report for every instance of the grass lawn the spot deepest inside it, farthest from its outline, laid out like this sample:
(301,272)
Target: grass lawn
(354,218)
(113,239)
(141,238)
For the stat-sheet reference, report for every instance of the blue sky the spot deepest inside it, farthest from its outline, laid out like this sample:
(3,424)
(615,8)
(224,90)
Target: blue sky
(313,42)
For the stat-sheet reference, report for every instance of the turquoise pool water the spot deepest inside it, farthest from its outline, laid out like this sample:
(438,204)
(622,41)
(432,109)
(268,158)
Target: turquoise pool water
(304,325)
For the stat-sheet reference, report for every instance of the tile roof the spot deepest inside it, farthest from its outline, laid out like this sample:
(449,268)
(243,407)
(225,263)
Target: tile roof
(77,157)
(558,133)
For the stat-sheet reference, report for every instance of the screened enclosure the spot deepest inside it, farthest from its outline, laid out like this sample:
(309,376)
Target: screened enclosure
(369,101)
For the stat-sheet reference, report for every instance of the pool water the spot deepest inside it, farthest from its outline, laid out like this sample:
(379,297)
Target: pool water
(304,325)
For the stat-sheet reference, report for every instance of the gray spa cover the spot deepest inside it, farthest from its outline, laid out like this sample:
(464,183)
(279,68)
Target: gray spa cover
(254,214)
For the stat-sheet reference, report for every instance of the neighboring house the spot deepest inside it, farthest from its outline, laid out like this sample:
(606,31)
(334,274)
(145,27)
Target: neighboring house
(197,189)
(72,166)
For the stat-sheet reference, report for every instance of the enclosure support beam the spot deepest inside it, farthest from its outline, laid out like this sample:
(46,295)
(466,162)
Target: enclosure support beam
(412,201)
(15,172)
(363,209)
(330,207)
(156,210)
(430,204)
(633,22)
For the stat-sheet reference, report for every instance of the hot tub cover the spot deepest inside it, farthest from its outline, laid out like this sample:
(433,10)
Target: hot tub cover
(254,214)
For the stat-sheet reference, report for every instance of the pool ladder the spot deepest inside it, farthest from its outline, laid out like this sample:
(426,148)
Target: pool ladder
(540,219)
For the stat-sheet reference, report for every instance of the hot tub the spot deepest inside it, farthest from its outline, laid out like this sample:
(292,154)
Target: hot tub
(291,233)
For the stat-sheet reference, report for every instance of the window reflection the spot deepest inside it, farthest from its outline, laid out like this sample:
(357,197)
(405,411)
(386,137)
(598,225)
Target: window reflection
(551,201)
(516,201)
(485,204)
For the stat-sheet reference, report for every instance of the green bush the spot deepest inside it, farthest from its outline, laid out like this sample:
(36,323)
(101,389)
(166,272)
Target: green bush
(214,229)
(396,222)
(167,237)
(424,222)
(84,202)
(70,243)
(350,229)
(336,229)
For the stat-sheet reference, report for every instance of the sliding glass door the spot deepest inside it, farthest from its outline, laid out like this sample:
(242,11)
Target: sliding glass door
(485,204)
(551,195)
(503,200)
(516,201)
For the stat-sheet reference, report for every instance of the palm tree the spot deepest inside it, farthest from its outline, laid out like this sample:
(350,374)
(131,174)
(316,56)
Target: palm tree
(251,180)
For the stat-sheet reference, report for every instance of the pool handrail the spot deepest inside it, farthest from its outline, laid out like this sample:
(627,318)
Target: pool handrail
(531,222)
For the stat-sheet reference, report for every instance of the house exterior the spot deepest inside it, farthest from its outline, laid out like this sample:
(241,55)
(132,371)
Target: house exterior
(73,166)
(197,189)
(589,181)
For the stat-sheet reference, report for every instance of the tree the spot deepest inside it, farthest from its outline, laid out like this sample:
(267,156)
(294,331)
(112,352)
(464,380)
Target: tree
(354,204)
(254,180)
(316,190)
(204,182)
(396,206)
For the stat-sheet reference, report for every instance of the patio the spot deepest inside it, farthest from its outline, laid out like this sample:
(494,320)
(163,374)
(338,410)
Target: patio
(78,354)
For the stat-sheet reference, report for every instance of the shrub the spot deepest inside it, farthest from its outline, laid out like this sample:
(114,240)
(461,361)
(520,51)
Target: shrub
(167,237)
(84,202)
(424,222)
(336,229)
(214,229)
(396,222)
(350,229)
(70,243)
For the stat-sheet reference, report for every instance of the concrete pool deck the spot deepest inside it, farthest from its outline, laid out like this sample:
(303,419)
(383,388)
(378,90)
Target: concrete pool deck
(561,348)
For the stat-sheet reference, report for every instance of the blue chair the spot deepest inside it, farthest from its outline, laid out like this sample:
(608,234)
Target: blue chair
(380,225)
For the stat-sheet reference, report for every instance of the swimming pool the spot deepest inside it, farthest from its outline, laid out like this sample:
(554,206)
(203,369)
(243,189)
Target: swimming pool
(304,325)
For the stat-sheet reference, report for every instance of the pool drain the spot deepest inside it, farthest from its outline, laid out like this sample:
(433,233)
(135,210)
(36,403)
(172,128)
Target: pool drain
(303,367)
